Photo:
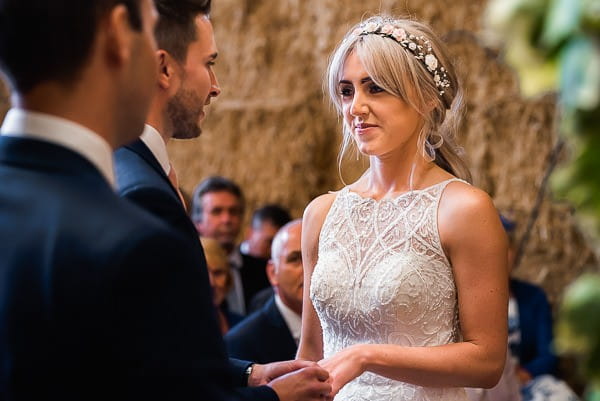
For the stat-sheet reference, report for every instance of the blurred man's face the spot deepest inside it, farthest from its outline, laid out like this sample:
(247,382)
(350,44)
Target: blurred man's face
(221,218)
(285,271)
(260,238)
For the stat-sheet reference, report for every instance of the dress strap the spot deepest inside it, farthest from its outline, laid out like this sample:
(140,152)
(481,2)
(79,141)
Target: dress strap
(442,186)
(435,209)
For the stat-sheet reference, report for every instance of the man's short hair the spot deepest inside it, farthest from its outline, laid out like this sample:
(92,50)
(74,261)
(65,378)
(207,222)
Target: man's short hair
(43,40)
(176,28)
(272,213)
(277,243)
(214,184)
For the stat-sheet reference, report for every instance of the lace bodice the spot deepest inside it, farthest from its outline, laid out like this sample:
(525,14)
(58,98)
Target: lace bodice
(382,278)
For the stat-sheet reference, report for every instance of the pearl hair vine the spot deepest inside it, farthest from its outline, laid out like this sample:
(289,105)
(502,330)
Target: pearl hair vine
(419,46)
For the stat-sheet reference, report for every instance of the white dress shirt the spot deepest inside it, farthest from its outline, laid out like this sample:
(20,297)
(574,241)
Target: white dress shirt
(152,139)
(235,297)
(62,132)
(292,319)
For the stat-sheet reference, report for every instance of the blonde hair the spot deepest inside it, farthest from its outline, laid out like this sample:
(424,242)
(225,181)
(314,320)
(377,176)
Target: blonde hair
(397,71)
(216,256)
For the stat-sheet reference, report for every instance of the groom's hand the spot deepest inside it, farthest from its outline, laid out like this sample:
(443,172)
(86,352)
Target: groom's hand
(309,383)
(264,374)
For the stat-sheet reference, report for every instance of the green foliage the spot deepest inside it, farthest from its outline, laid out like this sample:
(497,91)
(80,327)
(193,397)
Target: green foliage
(554,45)
(578,327)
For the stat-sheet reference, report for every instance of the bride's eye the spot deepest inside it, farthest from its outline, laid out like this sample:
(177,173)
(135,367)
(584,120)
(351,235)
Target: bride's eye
(345,91)
(375,88)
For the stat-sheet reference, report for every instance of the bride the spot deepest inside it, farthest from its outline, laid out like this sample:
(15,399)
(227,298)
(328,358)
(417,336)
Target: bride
(405,269)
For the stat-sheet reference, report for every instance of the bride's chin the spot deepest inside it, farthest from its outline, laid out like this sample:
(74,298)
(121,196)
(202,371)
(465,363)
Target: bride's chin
(366,150)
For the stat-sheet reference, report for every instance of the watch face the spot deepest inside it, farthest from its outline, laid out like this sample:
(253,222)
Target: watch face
(248,372)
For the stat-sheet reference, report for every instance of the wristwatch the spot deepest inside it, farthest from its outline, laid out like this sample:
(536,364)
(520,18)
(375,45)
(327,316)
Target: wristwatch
(248,372)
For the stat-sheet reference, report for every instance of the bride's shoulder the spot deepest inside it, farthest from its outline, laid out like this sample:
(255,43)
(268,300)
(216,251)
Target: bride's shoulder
(460,196)
(318,208)
(465,207)
(312,222)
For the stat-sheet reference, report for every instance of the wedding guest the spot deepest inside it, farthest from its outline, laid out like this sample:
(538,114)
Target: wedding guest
(220,282)
(217,211)
(273,332)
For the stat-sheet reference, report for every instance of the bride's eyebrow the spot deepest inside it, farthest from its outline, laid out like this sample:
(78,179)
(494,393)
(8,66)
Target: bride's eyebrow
(362,81)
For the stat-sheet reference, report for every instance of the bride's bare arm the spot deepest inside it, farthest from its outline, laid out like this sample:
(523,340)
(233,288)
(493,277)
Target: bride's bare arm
(476,245)
(311,340)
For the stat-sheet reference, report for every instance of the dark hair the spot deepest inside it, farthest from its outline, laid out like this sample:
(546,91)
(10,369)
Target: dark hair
(43,40)
(272,213)
(214,184)
(176,28)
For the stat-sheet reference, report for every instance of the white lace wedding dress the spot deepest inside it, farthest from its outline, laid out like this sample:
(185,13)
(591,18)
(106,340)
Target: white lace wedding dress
(382,278)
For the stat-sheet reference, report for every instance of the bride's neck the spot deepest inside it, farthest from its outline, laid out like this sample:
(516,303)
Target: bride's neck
(387,177)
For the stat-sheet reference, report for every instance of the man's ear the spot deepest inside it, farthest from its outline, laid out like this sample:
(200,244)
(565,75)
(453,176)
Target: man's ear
(119,35)
(166,69)
(271,273)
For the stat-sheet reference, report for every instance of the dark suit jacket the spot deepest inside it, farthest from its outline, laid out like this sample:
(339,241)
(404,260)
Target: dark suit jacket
(254,277)
(141,179)
(535,321)
(260,299)
(262,337)
(96,296)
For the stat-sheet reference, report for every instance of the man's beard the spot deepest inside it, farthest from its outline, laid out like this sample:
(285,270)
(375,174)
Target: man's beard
(183,114)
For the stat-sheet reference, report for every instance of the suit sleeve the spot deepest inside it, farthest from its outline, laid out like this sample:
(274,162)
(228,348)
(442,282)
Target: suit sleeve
(164,326)
(545,360)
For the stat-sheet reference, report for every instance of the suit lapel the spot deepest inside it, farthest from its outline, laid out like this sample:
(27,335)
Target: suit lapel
(276,319)
(140,148)
(273,314)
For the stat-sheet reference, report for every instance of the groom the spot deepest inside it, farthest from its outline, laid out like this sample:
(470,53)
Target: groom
(186,83)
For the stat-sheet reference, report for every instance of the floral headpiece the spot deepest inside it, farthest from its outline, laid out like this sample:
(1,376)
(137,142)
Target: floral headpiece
(419,46)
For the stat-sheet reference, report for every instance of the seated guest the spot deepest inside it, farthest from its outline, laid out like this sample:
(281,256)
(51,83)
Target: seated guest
(217,212)
(529,372)
(220,282)
(266,221)
(272,333)
(529,322)
(260,299)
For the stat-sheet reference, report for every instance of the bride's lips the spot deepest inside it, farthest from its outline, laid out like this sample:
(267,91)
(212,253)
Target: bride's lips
(364,128)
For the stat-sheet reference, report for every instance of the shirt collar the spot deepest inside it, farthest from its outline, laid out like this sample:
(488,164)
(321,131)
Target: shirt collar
(62,132)
(152,139)
(245,248)
(292,319)
(235,258)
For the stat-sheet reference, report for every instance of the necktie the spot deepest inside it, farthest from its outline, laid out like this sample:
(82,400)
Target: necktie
(173,179)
